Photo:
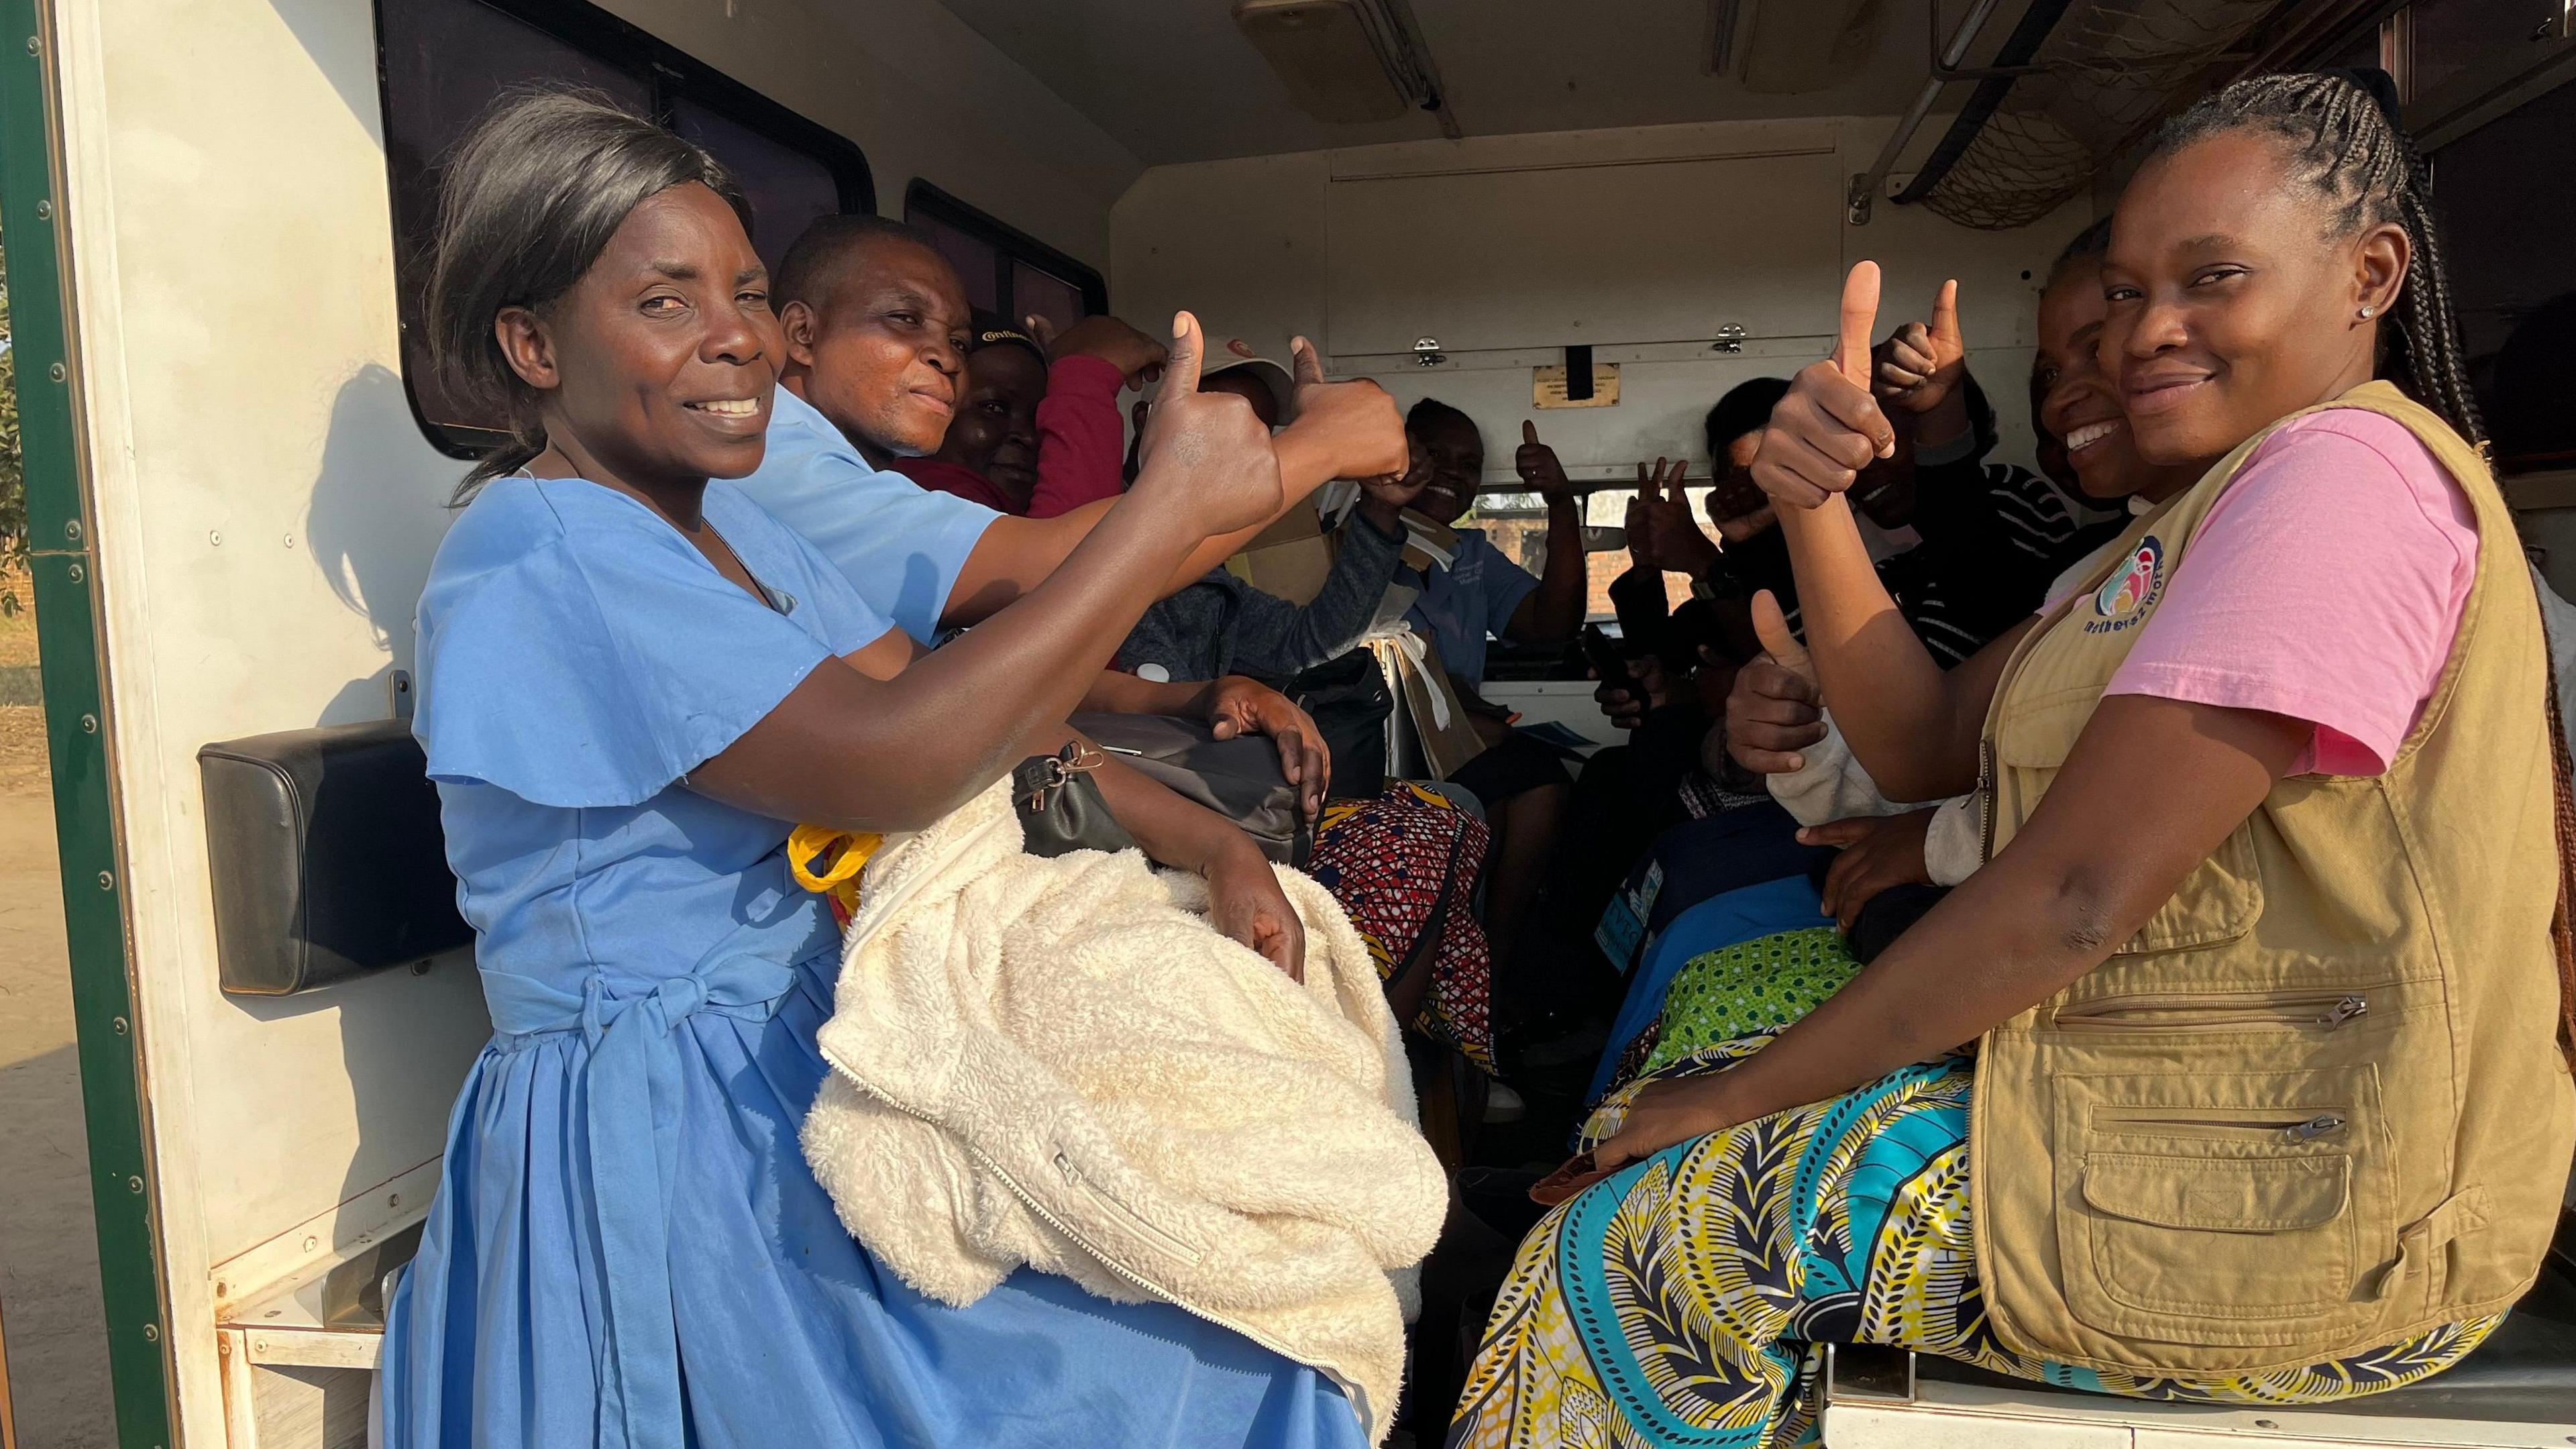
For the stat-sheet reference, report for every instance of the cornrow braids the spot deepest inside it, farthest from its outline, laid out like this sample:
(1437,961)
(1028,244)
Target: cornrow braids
(2340,140)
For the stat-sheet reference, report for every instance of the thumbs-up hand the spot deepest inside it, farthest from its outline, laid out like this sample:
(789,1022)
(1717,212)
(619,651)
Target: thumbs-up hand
(1828,427)
(1774,710)
(1354,424)
(1536,463)
(1771,626)
(1205,453)
(1919,364)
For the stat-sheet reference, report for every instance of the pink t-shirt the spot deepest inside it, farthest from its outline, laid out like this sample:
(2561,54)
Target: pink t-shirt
(2326,585)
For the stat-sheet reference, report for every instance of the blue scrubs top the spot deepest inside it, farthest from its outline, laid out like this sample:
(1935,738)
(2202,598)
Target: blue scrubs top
(1472,598)
(623,1192)
(898,544)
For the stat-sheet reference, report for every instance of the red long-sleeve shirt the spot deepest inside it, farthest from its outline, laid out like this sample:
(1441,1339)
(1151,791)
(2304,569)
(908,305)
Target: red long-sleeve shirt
(1081,443)
(1081,439)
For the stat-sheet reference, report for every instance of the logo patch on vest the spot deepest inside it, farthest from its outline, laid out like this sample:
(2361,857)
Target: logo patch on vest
(2124,599)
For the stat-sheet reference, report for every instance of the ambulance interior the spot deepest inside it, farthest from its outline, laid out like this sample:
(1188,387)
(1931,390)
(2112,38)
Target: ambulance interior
(1597,217)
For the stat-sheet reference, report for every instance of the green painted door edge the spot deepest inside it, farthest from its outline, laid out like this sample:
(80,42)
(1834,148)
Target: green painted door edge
(59,536)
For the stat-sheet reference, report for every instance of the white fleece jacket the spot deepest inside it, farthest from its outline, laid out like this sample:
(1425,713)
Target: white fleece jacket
(1061,1063)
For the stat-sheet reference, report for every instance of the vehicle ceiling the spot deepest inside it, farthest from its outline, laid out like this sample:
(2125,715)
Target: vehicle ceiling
(1173,80)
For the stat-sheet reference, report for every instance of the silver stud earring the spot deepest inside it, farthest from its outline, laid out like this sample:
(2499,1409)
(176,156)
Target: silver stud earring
(2366,311)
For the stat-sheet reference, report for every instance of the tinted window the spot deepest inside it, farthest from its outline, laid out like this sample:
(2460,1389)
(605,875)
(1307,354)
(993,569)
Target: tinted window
(445,61)
(1008,274)
(787,188)
(2506,198)
(430,101)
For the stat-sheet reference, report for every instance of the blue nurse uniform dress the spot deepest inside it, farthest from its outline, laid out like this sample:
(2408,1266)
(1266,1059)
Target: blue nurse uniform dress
(627,1248)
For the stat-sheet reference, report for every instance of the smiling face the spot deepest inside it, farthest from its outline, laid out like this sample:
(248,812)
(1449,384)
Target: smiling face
(1455,454)
(658,366)
(2230,303)
(2077,403)
(883,350)
(996,432)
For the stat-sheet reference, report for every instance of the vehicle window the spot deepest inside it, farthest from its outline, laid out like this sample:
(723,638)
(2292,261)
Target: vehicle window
(1516,525)
(443,62)
(2445,39)
(2506,208)
(786,187)
(1008,274)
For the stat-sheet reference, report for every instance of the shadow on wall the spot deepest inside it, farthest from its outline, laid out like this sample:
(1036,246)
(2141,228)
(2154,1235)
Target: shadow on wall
(341,40)
(378,484)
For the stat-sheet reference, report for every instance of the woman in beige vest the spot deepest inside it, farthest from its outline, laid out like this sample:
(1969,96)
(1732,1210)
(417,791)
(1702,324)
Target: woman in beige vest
(2265,1103)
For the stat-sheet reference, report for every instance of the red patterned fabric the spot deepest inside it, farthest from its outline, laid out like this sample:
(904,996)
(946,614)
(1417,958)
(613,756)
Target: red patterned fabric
(1402,864)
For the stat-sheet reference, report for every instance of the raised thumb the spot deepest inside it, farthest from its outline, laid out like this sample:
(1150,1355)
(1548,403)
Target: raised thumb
(1772,628)
(1945,316)
(1529,432)
(1181,367)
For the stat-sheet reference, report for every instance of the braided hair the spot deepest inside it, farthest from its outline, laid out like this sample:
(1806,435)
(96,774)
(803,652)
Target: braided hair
(2342,142)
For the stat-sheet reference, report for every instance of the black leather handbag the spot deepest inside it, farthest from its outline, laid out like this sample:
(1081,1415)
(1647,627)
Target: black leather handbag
(1239,778)
(1060,806)
(1348,700)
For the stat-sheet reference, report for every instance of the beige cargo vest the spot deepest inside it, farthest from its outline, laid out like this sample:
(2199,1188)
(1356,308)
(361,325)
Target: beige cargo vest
(2316,1105)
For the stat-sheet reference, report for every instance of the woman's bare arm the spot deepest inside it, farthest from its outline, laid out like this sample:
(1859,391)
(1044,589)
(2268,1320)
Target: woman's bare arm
(1342,430)
(1912,724)
(847,750)
(2053,905)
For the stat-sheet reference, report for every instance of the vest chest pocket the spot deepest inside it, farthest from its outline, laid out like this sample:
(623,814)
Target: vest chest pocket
(2216,903)
(2216,1224)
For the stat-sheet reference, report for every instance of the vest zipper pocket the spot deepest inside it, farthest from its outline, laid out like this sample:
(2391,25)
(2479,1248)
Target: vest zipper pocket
(1989,786)
(2158,1122)
(2311,1011)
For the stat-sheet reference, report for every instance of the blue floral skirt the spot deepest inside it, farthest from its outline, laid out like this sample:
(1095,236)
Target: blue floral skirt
(1683,1302)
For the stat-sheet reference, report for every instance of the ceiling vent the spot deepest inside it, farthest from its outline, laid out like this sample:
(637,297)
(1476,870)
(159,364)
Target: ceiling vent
(1344,62)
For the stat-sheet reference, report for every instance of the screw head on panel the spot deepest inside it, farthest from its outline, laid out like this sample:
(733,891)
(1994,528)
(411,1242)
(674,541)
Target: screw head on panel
(56,372)
(107,880)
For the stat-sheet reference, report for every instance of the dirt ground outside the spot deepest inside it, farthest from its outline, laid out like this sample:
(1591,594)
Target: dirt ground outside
(55,1330)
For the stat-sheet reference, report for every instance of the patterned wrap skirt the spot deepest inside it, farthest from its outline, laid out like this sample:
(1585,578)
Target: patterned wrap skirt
(1683,1302)
(1404,866)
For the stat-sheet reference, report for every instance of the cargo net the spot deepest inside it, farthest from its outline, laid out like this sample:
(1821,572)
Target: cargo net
(2116,67)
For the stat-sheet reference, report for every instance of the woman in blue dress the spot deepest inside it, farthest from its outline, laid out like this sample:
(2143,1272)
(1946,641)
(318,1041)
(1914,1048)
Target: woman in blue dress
(633,680)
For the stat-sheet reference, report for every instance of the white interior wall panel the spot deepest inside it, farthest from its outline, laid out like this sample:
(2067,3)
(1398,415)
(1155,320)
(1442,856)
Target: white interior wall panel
(1625,252)
(1650,238)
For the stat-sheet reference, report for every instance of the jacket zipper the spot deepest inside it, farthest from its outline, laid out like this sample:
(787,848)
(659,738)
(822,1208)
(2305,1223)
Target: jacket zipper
(2300,1129)
(2321,1011)
(1172,1242)
(1138,1281)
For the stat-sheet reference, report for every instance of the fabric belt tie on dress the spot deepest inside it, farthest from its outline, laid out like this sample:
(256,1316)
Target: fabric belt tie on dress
(631,1090)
